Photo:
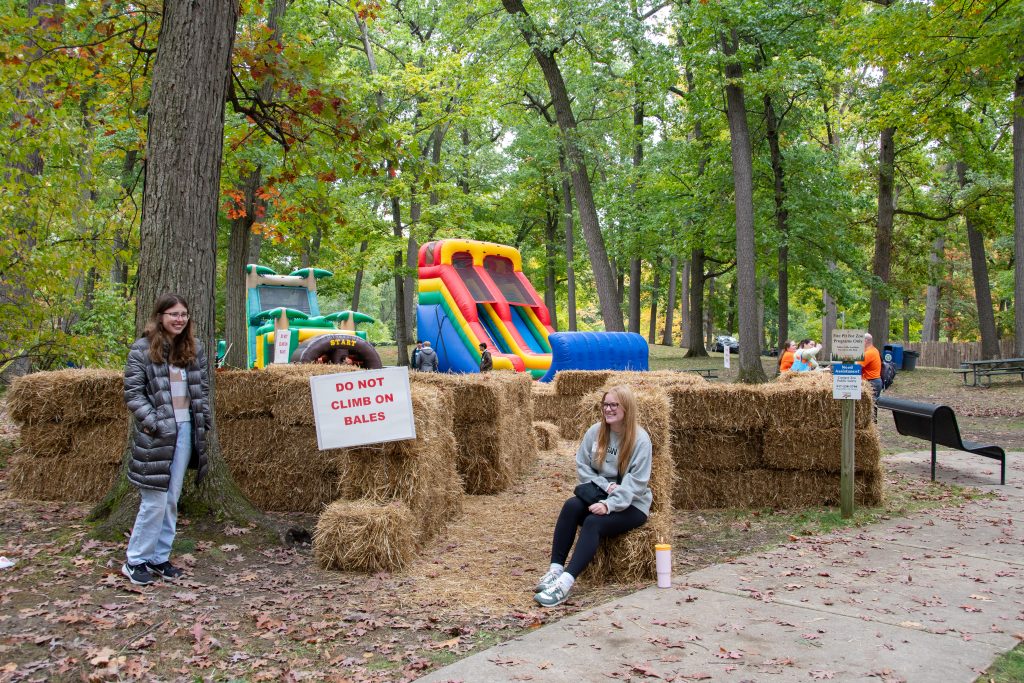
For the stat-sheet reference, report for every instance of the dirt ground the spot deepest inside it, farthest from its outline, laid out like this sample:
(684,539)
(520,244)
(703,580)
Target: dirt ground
(252,608)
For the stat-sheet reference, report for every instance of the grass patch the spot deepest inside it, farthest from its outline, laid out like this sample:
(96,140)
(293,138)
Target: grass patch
(1009,668)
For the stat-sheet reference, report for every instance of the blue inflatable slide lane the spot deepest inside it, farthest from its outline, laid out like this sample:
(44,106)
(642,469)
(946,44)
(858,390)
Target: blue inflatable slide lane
(596,351)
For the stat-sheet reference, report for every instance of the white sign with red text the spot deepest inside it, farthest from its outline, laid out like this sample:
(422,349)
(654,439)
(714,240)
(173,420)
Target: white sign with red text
(356,408)
(282,343)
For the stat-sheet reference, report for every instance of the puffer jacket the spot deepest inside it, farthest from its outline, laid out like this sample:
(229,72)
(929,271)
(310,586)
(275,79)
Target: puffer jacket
(147,393)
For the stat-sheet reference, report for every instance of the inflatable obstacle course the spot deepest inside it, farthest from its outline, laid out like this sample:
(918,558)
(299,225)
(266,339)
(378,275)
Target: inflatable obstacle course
(284,321)
(473,293)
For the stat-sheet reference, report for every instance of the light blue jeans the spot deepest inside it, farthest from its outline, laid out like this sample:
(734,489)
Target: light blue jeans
(157,521)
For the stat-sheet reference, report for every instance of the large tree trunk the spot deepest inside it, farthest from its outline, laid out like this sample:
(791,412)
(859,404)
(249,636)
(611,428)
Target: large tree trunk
(930,329)
(655,293)
(357,287)
(604,280)
(670,305)
(684,305)
(551,216)
(1018,216)
(236,327)
(401,324)
(829,322)
(178,235)
(750,369)
(781,213)
(709,316)
(878,323)
(635,263)
(979,271)
(635,276)
(570,244)
(695,347)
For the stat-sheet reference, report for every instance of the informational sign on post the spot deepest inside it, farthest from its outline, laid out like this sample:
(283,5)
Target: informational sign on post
(848,344)
(282,342)
(726,356)
(846,381)
(356,408)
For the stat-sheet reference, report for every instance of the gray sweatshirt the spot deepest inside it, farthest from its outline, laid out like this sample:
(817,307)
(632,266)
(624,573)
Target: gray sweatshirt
(633,490)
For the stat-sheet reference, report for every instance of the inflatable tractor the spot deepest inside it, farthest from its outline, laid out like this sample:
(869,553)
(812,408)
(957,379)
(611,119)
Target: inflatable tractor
(285,324)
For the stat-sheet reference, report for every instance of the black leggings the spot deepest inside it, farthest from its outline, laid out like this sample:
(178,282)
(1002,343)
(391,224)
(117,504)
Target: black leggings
(576,514)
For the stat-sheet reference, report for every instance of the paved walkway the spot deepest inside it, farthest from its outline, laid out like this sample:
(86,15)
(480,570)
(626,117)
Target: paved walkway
(934,597)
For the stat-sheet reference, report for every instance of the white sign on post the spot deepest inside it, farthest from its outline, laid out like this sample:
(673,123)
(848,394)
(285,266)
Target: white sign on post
(282,342)
(725,349)
(356,408)
(848,344)
(846,381)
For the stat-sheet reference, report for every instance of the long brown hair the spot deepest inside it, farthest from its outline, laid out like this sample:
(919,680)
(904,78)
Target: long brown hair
(182,346)
(782,353)
(627,439)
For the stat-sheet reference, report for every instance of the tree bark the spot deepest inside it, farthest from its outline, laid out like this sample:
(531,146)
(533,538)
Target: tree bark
(829,322)
(979,272)
(684,304)
(881,267)
(670,305)
(236,327)
(695,347)
(1018,216)
(781,213)
(570,244)
(604,280)
(551,216)
(178,235)
(357,287)
(930,329)
(709,316)
(750,369)
(635,263)
(655,293)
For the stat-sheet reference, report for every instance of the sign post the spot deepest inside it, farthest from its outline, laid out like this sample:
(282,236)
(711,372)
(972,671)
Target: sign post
(725,356)
(848,346)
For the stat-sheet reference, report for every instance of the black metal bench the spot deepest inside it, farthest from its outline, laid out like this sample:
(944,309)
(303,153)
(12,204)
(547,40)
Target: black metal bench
(708,373)
(937,424)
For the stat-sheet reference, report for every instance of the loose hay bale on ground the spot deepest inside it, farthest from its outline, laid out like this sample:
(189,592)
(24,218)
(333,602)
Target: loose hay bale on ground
(820,449)
(547,435)
(711,449)
(362,535)
(71,395)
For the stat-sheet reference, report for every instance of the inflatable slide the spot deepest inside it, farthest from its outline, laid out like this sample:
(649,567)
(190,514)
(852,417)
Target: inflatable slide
(473,293)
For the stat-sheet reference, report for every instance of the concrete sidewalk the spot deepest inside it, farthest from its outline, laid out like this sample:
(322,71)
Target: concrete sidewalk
(933,597)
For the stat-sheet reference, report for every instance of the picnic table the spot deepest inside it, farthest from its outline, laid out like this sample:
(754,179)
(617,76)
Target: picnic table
(981,372)
(707,373)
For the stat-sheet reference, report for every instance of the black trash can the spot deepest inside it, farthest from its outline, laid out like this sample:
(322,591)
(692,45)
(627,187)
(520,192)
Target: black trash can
(910,360)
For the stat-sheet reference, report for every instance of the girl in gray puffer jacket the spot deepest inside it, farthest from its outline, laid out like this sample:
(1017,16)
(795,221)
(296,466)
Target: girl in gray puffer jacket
(167,389)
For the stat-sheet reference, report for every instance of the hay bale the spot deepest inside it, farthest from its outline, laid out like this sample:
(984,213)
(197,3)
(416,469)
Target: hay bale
(101,443)
(820,449)
(72,395)
(580,382)
(725,407)
(629,558)
(361,535)
(805,399)
(711,449)
(244,393)
(46,440)
(546,434)
(770,488)
(62,479)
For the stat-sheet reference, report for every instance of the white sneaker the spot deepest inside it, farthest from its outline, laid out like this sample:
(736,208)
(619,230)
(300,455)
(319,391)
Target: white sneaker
(546,580)
(551,596)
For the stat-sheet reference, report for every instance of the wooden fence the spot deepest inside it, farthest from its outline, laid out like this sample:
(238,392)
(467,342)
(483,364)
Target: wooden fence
(951,354)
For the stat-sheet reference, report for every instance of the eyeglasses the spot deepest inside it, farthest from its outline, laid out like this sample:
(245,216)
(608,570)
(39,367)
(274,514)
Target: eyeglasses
(177,316)
(609,406)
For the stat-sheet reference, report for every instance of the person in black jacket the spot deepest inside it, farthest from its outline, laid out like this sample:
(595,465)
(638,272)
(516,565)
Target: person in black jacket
(486,362)
(167,389)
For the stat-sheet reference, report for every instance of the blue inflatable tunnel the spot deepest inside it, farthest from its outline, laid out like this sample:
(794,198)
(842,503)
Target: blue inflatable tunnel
(596,351)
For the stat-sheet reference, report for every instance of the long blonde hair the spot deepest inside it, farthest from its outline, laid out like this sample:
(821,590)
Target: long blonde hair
(627,439)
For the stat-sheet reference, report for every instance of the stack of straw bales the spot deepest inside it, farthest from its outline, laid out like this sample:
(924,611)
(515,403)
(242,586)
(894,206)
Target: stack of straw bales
(74,429)
(774,445)
(491,421)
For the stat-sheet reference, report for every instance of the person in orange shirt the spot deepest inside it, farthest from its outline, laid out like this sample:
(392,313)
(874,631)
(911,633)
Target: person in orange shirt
(872,366)
(786,357)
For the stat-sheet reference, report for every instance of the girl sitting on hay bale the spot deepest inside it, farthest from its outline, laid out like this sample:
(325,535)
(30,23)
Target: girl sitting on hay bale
(167,388)
(614,467)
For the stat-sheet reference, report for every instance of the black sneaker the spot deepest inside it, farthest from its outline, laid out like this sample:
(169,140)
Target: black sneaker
(165,570)
(138,574)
